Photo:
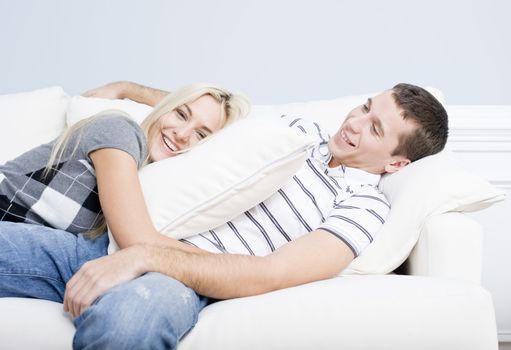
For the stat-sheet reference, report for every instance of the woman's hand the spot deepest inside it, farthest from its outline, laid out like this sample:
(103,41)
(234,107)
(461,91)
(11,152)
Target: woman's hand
(116,90)
(97,276)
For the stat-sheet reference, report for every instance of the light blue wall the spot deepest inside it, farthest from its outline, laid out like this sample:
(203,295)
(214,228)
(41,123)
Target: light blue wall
(275,51)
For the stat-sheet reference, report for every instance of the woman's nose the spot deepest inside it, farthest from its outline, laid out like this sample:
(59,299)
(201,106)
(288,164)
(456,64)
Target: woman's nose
(182,134)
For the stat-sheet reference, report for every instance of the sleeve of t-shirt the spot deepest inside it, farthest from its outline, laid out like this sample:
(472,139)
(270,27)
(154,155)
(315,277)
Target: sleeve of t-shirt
(114,131)
(357,219)
(310,128)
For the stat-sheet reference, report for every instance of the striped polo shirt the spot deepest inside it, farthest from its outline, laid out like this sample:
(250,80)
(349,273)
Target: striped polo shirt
(343,201)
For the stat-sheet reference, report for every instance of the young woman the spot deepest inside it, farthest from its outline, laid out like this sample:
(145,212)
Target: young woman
(88,178)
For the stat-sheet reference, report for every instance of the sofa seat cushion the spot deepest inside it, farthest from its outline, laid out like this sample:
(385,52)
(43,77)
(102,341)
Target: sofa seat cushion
(353,312)
(34,324)
(349,312)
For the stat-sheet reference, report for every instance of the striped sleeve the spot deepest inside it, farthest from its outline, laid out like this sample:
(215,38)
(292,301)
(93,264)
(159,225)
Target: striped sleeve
(313,129)
(306,126)
(356,220)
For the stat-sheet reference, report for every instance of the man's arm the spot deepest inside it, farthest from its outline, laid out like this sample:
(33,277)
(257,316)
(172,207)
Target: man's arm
(315,256)
(130,90)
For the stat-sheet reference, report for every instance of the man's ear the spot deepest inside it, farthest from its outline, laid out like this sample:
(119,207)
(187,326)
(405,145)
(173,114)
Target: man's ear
(397,164)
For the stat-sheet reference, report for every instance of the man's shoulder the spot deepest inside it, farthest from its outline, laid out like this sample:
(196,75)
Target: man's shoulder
(320,151)
(305,125)
(372,193)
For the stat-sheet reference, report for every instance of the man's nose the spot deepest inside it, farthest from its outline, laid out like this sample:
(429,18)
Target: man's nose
(357,123)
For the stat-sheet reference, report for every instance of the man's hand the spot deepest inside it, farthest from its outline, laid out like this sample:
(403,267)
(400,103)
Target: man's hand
(130,90)
(97,276)
(111,91)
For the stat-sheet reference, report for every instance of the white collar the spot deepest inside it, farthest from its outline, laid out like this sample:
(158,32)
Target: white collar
(354,176)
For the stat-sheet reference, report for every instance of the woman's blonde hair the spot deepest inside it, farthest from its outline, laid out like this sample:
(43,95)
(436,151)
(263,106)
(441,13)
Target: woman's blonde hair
(234,105)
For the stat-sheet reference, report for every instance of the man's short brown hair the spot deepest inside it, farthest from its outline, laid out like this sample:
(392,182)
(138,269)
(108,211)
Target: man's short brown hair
(427,112)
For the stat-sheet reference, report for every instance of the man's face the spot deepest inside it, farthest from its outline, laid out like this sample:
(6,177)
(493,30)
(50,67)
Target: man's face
(369,135)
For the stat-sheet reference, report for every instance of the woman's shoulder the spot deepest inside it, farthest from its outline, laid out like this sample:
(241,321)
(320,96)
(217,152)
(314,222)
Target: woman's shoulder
(114,130)
(114,119)
(112,125)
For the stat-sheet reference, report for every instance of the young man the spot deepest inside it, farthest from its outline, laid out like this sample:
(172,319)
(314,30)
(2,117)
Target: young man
(309,230)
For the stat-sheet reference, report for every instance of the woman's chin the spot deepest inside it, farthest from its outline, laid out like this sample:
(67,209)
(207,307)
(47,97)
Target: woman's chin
(157,156)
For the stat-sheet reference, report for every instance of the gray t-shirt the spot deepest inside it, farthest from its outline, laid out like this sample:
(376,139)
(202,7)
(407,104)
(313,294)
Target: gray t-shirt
(67,198)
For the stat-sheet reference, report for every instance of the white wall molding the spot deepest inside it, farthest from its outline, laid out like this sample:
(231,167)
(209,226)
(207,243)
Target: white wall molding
(477,116)
(504,336)
(480,137)
(480,128)
(502,184)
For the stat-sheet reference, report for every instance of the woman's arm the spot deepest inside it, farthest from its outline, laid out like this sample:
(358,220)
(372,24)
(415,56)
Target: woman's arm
(123,203)
(126,214)
(130,90)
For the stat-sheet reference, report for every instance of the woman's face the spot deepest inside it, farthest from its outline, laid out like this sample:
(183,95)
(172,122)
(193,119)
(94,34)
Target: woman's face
(184,126)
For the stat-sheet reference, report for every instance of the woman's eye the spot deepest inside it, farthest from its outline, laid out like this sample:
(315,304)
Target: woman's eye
(374,130)
(365,108)
(201,135)
(181,114)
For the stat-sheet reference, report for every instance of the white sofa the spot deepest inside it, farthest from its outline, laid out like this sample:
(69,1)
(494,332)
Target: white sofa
(434,301)
(439,304)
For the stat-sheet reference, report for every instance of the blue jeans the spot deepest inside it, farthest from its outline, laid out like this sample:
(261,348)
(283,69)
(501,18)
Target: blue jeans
(151,312)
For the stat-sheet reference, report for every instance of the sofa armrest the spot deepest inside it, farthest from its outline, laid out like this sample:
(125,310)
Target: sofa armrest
(450,245)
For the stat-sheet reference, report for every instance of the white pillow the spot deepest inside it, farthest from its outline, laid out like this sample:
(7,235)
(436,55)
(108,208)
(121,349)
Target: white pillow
(30,119)
(427,187)
(83,107)
(214,182)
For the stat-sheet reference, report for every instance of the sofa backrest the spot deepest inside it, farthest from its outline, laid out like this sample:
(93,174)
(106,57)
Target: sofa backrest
(30,119)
